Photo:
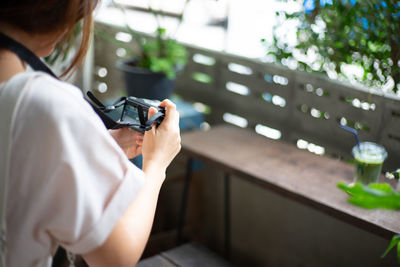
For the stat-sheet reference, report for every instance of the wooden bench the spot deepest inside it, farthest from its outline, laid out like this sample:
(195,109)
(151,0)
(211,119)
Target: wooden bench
(188,255)
(285,169)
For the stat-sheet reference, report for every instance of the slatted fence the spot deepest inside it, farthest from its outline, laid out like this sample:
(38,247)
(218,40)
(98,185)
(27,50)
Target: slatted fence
(300,108)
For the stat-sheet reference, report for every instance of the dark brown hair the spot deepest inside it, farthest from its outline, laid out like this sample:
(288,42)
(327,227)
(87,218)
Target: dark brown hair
(47,16)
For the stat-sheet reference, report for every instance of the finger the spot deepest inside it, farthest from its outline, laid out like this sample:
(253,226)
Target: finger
(152,111)
(166,103)
(150,114)
(138,135)
(171,114)
(139,140)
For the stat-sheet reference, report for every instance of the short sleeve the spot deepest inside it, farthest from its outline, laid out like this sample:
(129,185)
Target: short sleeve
(80,182)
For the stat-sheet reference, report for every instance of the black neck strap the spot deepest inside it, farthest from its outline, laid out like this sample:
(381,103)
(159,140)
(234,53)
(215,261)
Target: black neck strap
(24,54)
(32,60)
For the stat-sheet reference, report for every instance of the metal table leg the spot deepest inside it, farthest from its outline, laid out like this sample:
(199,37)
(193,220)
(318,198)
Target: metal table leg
(185,195)
(227,218)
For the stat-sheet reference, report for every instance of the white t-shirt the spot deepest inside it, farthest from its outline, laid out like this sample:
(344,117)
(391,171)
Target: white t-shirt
(69,180)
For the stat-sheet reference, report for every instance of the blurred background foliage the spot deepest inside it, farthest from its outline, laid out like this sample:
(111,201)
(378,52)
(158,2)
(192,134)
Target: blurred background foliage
(353,40)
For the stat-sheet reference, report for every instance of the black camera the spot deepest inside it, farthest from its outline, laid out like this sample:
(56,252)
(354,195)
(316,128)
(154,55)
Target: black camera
(128,112)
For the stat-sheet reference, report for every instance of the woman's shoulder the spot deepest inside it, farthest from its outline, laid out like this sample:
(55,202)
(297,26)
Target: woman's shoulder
(51,98)
(45,87)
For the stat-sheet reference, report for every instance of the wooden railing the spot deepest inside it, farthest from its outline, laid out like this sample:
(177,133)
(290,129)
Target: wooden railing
(299,108)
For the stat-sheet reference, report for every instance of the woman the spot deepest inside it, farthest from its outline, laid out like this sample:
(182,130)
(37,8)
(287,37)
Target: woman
(70,183)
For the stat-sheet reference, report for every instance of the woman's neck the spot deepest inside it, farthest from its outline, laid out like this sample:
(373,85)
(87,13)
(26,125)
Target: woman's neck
(40,44)
(10,65)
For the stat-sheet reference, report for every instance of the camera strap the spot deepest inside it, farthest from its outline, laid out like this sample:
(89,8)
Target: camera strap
(32,60)
(25,54)
(145,124)
(35,63)
(10,100)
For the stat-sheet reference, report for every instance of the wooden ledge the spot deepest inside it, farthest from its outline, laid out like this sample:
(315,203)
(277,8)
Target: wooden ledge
(294,173)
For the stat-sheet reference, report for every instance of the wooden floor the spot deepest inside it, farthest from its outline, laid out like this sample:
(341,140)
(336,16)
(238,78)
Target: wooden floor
(187,255)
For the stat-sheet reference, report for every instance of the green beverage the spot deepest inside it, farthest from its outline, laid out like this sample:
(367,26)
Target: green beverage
(369,158)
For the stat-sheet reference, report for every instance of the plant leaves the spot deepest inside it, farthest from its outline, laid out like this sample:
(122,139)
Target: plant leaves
(372,196)
(395,241)
(362,33)
(159,53)
(398,252)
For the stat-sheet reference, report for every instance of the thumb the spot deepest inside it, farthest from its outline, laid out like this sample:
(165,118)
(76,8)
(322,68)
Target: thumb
(151,112)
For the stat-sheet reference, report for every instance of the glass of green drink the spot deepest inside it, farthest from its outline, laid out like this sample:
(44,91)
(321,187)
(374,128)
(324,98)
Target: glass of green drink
(369,158)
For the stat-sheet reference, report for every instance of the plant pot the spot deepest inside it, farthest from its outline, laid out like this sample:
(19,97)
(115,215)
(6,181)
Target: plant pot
(144,83)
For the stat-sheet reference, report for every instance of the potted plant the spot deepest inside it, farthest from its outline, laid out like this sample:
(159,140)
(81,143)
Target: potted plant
(150,71)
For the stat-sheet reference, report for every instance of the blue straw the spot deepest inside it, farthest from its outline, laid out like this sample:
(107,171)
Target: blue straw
(354,132)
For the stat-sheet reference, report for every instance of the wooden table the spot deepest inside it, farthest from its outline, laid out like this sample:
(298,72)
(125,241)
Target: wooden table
(282,168)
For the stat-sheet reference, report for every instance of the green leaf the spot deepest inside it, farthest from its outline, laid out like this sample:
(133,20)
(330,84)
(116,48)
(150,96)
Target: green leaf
(372,196)
(162,31)
(382,187)
(395,241)
(398,252)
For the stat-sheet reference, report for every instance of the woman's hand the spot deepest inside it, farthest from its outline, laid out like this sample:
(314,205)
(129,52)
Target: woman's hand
(129,140)
(125,245)
(162,144)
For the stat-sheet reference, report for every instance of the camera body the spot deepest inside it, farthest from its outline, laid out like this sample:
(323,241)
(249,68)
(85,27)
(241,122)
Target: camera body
(135,113)
(129,112)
